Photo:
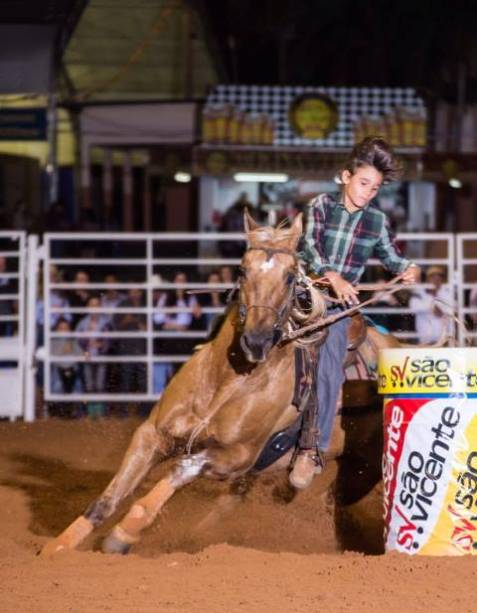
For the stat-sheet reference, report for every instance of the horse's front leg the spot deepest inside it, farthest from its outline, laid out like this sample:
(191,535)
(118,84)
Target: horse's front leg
(146,443)
(216,462)
(144,511)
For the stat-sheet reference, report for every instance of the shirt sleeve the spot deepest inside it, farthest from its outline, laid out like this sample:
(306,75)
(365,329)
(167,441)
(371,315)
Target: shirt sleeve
(420,302)
(312,251)
(387,251)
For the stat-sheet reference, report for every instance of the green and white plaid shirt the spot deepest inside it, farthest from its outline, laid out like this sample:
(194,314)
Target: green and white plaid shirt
(337,240)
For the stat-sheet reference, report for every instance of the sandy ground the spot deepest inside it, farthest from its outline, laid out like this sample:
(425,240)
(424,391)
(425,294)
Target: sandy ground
(211,551)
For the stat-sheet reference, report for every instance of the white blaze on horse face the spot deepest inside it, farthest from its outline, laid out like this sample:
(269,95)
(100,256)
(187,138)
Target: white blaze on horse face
(268,264)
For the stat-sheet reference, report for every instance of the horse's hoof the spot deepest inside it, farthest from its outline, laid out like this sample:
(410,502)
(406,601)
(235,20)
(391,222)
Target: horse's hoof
(52,548)
(111,544)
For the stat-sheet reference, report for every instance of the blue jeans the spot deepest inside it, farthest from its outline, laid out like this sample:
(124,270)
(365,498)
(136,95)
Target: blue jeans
(330,376)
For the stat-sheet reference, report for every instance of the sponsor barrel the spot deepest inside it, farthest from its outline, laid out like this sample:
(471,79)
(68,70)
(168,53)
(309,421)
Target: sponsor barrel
(430,450)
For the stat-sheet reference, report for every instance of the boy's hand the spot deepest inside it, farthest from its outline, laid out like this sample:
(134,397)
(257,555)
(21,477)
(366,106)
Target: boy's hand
(411,275)
(345,292)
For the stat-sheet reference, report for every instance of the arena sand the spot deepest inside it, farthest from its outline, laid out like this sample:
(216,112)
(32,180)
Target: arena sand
(210,550)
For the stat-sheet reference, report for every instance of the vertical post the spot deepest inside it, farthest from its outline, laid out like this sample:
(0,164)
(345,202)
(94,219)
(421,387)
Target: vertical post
(128,224)
(107,187)
(107,179)
(52,164)
(150,320)
(30,332)
(188,52)
(85,174)
(147,200)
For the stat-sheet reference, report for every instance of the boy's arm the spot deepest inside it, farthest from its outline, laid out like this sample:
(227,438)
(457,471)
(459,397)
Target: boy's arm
(390,255)
(312,246)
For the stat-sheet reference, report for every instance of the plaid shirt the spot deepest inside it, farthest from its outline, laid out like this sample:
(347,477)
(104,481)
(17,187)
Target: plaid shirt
(337,240)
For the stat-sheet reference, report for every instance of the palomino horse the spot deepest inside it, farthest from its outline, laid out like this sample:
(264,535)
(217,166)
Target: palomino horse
(224,404)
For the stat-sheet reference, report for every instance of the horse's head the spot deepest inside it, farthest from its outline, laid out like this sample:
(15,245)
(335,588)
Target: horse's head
(268,275)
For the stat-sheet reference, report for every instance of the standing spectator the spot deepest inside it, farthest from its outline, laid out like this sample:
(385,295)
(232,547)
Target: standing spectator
(79,296)
(174,322)
(94,373)
(57,300)
(215,299)
(473,305)
(232,221)
(111,298)
(65,375)
(226,274)
(132,374)
(433,307)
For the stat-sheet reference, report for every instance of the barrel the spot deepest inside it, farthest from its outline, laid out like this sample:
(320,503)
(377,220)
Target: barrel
(430,450)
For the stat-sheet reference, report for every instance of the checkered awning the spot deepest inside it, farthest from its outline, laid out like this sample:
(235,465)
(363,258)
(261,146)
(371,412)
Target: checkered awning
(353,104)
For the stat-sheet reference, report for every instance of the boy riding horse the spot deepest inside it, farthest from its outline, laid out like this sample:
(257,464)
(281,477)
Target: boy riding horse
(341,234)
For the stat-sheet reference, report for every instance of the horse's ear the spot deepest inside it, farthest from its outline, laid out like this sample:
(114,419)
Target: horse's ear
(249,222)
(297,225)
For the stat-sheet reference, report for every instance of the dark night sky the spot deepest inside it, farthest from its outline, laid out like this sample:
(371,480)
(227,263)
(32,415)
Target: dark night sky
(420,43)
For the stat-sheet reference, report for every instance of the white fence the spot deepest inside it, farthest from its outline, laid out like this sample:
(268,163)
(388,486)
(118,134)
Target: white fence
(132,352)
(13,317)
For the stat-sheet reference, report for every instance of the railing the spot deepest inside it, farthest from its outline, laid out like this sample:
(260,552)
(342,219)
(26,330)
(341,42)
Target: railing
(13,356)
(142,263)
(466,285)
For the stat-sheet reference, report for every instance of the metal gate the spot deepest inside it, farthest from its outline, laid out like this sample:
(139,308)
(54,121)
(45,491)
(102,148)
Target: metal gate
(13,353)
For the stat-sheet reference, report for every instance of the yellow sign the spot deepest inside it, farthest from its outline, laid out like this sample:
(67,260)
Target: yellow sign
(427,371)
(313,116)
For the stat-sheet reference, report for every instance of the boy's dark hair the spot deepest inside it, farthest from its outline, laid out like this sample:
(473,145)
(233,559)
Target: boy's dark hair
(374,151)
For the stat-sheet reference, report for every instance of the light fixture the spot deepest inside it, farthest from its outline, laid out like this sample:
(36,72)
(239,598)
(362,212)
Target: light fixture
(455,183)
(258,177)
(182,177)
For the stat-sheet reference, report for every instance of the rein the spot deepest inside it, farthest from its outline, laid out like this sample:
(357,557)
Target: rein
(390,287)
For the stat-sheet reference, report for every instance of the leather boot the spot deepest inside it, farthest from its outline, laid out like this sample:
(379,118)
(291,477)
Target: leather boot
(308,463)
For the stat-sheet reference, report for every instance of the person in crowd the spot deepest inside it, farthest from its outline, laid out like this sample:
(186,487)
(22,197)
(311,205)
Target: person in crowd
(226,274)
(390,322)
(58,300)
(232,221)
(65,375)
(341,234)
(214,299)
(80,296)
(111,297)
(132,375)
(433,307)
(472,303)
(189,318)
(94,373)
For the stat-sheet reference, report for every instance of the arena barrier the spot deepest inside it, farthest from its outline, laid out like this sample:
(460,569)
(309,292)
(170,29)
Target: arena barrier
(147,262)
(14,361)
(430,450)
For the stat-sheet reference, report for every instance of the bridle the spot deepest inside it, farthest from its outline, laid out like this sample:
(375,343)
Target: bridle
(281,314)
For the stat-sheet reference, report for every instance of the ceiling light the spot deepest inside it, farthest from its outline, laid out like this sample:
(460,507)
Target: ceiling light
(259,177)
(455,183)
(182,177)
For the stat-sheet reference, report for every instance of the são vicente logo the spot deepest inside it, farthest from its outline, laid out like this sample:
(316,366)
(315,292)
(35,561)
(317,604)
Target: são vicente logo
(403,371)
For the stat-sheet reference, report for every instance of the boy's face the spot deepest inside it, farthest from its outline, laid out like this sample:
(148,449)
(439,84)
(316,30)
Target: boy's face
(361,187)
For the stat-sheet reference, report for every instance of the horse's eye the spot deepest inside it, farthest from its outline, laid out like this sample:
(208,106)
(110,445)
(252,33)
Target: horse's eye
(241,272)
(290,278)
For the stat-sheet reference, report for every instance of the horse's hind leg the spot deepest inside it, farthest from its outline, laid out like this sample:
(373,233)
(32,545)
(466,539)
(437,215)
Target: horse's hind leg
(144,511)
(139,457)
